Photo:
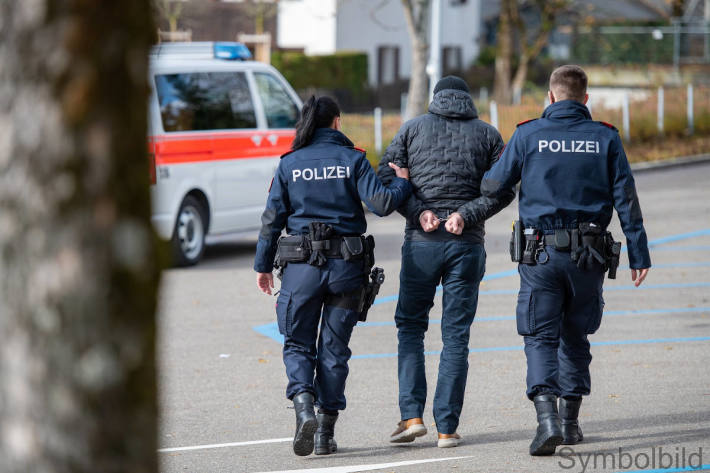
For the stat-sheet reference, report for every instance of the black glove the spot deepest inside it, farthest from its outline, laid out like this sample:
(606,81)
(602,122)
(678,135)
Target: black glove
(586,256)
(317,232)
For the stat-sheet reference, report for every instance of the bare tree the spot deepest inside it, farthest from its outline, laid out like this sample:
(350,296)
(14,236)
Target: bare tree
(502,92)
(170,11)
(512,26)
(78,271)
(261,11)
(416,14)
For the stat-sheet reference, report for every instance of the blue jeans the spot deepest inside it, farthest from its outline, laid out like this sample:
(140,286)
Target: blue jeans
(459,266)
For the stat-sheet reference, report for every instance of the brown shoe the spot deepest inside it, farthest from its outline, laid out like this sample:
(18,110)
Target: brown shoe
(449,440)
(408,430)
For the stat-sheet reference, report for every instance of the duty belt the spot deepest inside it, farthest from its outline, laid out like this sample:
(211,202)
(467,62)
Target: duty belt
(588,244)
(301,249)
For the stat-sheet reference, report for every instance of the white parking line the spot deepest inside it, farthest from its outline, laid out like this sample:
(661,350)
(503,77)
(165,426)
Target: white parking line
(223,445)
(377,466)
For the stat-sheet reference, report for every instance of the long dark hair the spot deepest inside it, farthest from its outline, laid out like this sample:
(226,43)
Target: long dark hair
(316,113)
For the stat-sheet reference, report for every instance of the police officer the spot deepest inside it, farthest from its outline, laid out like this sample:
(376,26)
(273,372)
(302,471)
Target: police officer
(316,195)
(572,172)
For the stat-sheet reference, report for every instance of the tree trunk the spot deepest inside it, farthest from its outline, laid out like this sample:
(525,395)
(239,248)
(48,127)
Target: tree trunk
(78,270)
(521,74)
(415,12)
(504,54)
(418,95)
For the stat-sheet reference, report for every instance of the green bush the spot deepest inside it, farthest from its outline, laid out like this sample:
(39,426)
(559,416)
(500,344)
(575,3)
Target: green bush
(340,71)
(622,48)
(487,56)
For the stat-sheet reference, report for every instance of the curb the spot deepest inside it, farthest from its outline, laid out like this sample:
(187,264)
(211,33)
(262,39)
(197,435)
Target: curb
(670,163)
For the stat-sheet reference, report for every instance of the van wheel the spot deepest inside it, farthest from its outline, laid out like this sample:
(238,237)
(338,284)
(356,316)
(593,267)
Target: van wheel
(189,234)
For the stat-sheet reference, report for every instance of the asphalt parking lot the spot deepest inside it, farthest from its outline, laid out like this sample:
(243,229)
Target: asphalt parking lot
(222,379)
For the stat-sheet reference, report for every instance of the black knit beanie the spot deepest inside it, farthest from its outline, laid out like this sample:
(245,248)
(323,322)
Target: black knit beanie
(451,82)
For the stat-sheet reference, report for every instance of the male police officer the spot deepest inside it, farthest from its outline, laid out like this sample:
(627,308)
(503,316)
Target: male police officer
(572,172)
(447,151)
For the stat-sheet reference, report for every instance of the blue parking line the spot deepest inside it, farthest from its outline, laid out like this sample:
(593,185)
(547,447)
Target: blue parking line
(520,347)
(272,330)
(680,236)
(682,248)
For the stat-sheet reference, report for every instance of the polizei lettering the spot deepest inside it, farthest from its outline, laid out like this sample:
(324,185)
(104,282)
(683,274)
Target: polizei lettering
(568,146)
(320,174)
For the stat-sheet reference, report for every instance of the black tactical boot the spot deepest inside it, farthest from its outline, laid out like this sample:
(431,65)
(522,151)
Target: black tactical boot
(549,430)
(306,424)
(569,411)
(325,443)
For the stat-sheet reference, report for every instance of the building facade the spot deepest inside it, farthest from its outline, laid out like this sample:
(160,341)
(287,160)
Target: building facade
(378,28)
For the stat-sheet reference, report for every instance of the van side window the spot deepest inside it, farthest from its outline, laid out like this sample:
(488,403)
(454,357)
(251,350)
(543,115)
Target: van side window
(279,108)
(205,101)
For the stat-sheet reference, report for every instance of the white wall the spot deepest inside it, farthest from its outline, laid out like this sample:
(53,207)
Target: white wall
(461,26)
(364,25)
(307,24)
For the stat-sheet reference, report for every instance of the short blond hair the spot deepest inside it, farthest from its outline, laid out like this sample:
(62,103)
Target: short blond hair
(569,82)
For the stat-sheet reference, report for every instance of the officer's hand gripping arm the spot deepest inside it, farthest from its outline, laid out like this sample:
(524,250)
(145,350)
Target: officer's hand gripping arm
(627,206)
(380,199)
(273,221)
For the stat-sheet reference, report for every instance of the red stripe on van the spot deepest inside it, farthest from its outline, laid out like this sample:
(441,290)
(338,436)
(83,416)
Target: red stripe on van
(181,148)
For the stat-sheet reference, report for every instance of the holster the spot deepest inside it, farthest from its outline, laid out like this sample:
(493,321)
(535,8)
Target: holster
(612,253)
(517,242)
(360,300)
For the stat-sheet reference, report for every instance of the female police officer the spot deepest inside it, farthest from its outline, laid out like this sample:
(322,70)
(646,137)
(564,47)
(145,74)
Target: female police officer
(316,194)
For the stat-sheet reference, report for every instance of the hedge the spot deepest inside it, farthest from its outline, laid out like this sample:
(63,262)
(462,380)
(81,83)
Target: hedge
(340,71)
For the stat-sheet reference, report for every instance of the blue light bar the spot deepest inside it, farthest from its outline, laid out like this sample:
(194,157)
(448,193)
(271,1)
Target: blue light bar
(231,51)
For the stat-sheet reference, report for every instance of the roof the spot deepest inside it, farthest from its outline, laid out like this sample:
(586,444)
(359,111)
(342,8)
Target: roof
(199,55)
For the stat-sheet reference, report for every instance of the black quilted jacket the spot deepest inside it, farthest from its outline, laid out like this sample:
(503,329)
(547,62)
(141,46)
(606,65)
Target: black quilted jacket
(447,152)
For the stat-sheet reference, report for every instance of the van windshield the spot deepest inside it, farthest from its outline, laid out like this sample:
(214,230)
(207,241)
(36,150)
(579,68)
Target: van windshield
(279,108)
(205,101)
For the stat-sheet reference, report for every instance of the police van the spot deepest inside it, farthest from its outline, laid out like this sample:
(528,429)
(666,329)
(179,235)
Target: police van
(218,124)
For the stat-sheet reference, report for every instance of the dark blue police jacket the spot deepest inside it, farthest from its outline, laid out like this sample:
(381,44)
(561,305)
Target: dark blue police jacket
(323,182)
(572,170)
